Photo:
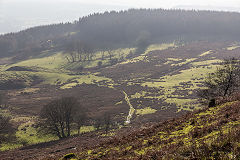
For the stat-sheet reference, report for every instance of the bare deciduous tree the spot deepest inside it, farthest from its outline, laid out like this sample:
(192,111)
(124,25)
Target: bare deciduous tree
(223,82)
(99,64)
(107,121)
(110,54)
(80,119)
(70,48)
(6,129)
(57,116)
(97,122)
(103,121)
(113,61)
(3,99)
(79,51)
(102,55)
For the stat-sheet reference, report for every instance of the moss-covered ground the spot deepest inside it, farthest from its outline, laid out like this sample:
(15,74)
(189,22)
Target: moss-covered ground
(208,134)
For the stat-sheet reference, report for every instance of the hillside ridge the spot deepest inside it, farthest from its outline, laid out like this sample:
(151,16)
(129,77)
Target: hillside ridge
(210,132)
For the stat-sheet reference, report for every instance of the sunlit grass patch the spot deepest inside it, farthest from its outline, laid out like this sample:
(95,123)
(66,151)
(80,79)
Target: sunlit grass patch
(184,104)
(88,79)
(192,75)
(120,102)
(139,94)
(206,53)
(5,112)
(179,101)
(187,80)
(136,59)
(28,134)
(108,134)
(204,63)
(143,150)
(185,130)
(29,90)
(62,79)
(144,111)
(28,77)
(172,60)
(185,62)
(83,129)
(3,67)
(8,146)
(224,130)
(69,85)
(54,61)
(22,119)
(54,78)
(163,46)
(232,47)
(153,47)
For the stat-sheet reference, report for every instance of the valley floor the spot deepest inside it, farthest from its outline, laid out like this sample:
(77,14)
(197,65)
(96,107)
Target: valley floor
(160,84)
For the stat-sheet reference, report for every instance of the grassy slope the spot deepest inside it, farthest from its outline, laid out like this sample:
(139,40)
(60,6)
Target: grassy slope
(27,133)
(212,133)
(178,86)
(52,69)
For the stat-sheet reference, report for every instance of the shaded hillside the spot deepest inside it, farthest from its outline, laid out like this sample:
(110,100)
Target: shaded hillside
(210,133)
(123,29)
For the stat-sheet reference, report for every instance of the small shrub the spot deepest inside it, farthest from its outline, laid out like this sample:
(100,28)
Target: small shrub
(70,156)
(113,61)
(99,63)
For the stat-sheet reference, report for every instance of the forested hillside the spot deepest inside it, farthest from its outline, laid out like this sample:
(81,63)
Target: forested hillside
(118,29)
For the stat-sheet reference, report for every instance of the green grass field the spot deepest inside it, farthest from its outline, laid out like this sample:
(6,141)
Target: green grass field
(170,83)
(146,110)
(174,88)
(27,134)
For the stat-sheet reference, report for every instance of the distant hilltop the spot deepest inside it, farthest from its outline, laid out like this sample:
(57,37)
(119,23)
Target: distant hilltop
(208,7)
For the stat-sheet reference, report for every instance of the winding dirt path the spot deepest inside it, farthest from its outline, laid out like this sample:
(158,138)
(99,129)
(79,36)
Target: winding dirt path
(131,110)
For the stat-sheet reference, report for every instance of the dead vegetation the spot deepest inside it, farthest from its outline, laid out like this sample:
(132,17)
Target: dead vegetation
(156,69)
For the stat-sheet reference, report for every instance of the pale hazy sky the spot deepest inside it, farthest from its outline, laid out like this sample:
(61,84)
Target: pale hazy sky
(165,3)
(147,3)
